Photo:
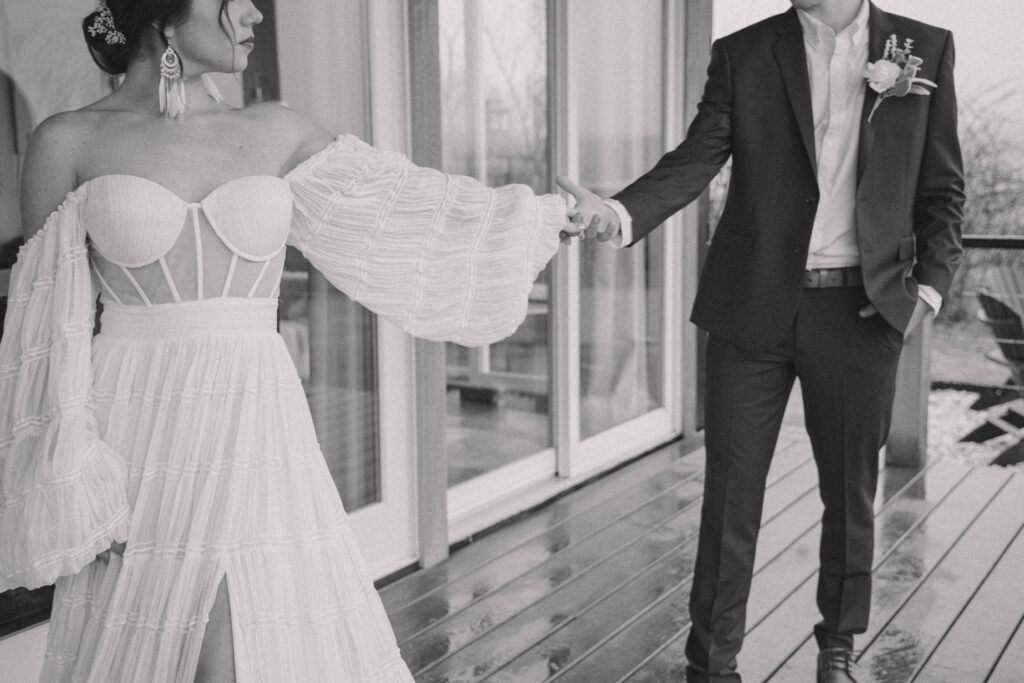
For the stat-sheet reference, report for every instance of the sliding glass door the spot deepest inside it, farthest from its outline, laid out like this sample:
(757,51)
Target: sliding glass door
(530,89)
(493,64)
(616,60)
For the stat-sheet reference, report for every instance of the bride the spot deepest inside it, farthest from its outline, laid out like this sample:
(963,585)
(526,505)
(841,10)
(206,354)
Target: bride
(164,472)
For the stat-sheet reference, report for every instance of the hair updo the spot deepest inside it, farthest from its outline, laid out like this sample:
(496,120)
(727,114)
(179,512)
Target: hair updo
(131,17)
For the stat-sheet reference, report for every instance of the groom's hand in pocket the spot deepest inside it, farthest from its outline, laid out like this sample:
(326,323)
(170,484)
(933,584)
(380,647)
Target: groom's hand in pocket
(591,212)
(921,310)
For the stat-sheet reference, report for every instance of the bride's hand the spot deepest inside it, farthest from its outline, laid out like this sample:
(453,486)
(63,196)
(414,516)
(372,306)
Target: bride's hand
(117,548)
(573,227)
(590,215)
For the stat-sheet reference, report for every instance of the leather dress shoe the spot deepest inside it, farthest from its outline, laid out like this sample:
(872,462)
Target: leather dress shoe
(835,665)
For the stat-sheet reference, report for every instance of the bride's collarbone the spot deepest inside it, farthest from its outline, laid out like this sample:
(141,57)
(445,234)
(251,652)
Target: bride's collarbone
(188,169)
(185,154)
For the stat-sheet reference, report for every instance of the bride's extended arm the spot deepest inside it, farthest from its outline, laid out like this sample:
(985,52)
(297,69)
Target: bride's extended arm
(442,256)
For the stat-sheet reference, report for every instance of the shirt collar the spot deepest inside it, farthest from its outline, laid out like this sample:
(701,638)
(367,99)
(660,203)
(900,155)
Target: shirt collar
(815,32)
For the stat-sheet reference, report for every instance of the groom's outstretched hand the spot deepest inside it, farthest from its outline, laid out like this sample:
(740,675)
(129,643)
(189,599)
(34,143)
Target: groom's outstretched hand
(590,212)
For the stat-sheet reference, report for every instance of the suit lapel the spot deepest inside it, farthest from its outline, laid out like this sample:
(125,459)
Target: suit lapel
(792,60)
(879,29)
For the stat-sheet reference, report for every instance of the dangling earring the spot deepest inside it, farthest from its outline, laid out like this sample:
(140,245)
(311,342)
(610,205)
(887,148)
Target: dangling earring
(172,87)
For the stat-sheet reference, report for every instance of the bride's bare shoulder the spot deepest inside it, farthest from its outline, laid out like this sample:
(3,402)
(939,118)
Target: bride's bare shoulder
(67,126)
(56,150)
(304,136)
(63,138)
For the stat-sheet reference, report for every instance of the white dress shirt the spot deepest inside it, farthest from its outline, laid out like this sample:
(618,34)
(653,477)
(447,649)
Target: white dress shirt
(835,67)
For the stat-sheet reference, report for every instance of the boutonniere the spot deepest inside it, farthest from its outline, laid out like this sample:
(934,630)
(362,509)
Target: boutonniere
(895,74)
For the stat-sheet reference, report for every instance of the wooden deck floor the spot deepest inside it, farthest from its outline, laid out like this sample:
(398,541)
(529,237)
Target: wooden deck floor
(593,587)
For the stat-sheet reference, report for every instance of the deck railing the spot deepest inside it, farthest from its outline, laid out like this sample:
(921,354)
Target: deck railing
(970,342)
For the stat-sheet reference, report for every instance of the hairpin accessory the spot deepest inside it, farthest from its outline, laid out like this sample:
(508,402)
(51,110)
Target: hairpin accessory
(172,87)
(103,25)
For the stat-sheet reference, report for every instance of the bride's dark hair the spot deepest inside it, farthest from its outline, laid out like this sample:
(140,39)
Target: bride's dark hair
(131,17)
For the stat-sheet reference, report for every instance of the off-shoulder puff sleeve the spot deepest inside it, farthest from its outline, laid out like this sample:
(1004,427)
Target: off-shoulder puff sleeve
(62,490)
(442,256)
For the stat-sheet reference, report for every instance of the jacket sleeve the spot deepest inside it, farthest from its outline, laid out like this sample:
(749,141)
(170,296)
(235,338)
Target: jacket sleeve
(939,201)
(442,256)
(681,175)
(63,493)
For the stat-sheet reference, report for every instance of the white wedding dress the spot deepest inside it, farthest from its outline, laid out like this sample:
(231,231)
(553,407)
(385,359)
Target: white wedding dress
(196,394)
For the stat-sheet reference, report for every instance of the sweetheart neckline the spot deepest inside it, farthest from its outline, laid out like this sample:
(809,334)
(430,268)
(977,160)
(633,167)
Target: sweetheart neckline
(187,206)
(174,194)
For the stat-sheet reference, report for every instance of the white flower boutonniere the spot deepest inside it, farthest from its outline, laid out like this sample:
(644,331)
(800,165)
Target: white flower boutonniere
(895,74)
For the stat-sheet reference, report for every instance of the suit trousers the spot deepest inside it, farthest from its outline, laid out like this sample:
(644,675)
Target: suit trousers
(847,369)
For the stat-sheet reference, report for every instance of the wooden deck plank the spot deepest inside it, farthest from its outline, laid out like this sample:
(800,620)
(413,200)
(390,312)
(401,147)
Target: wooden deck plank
(465,626)
(1011,664)
(981,631)
(502,644)
(665,584)
(671,462)
(782,649)
(450,623)
(906,496)
(771,583)
(631,646)
(467,585)
(594,587)
(801,664)
(667,579)
(922,620)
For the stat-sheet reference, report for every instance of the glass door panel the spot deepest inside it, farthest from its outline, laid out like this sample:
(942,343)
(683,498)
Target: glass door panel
(618,76)
(493,58)
(333,343)
(354,369)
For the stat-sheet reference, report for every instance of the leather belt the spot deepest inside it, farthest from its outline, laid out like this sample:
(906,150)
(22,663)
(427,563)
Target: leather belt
(819,278)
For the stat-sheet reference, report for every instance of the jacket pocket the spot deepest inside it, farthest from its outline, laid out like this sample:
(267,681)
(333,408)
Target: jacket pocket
(907,248)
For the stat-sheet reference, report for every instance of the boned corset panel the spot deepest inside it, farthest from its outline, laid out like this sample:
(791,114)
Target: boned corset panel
(150,246)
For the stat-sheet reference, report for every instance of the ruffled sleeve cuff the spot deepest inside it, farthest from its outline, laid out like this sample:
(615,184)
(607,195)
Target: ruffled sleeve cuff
(56,527)
(442,256)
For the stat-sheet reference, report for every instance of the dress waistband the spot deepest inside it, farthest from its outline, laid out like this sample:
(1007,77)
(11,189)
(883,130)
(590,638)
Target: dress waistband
(189,318)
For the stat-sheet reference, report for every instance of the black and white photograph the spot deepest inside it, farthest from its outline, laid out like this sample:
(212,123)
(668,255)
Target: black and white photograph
(453,341)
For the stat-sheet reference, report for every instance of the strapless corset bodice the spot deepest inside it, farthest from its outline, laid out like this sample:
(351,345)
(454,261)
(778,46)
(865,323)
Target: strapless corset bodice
(149,246)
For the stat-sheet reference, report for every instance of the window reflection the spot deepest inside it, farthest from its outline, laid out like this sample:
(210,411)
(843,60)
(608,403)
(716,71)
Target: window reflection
(494,124)
(621,291)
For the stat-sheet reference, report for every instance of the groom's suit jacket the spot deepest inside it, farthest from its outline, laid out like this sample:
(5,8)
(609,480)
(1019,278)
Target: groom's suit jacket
(756,108)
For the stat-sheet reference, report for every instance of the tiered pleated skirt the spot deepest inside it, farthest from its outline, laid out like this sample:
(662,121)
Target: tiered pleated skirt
(226,483)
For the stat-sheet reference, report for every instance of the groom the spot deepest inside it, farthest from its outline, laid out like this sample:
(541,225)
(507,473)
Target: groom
(840,233)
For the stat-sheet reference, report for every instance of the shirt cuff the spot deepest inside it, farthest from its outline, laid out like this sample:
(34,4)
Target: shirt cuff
(930,296)
(625,236)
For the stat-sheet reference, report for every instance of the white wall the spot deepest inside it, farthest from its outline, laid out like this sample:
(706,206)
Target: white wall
(41,44)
